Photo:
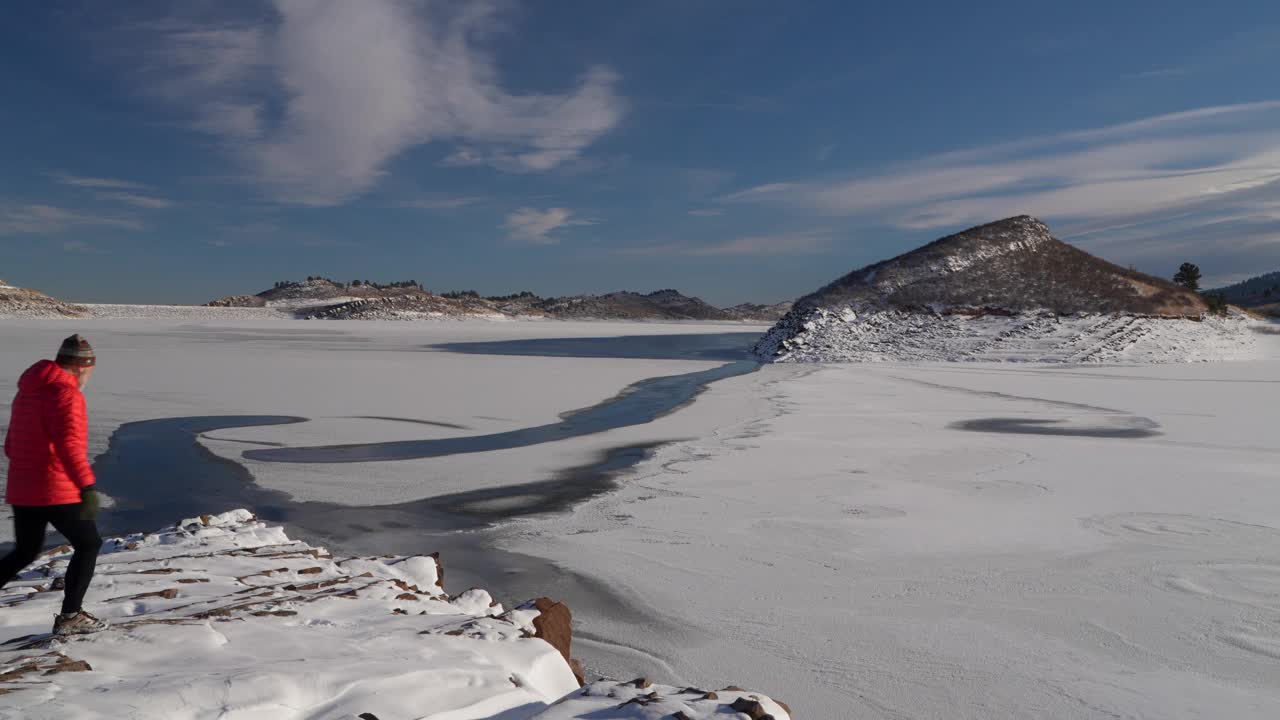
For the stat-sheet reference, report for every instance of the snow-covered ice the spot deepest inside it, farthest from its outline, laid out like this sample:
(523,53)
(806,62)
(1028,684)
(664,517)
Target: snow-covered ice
(941,540)
(340,376)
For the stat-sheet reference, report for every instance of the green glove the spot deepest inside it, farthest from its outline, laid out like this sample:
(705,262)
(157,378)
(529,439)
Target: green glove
(90,503)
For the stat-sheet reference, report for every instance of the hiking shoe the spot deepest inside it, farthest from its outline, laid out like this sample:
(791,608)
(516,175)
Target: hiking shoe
(82,623)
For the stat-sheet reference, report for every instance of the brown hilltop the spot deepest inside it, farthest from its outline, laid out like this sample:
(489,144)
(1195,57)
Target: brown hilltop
(23,303)
(1013,264)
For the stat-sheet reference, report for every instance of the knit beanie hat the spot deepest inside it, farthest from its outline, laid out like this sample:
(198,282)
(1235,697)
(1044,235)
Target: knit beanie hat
(75,350)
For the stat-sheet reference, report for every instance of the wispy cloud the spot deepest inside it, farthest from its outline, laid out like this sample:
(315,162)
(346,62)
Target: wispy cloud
(128,192)
(146,202)
(535,226)
(809,242)
(703,182)
(441,203)
(1155,165)
(35,219)
(824,152)
(1155,73)
(316,98)
(97,183)
(706,212)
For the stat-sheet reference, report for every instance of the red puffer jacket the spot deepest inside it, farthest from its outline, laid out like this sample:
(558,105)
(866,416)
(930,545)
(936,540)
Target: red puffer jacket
(48,439)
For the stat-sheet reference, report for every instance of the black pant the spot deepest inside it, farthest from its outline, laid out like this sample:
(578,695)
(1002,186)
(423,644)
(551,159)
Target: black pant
(29,525)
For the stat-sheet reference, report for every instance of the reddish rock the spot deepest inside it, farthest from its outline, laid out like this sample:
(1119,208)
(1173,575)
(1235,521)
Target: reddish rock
(168,594)
(66,664)
(439,570)
(554,624)
(752,708)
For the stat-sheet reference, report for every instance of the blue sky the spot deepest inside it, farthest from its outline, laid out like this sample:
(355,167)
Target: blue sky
(737,150)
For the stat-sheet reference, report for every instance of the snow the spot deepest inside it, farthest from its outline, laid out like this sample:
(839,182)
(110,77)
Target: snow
(183,312)
(898,539)
(852,548)
(894,335)
(224,617)
(239,622)
(643,700)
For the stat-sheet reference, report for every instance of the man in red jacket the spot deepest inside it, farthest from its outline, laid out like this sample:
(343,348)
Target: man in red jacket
(50,480)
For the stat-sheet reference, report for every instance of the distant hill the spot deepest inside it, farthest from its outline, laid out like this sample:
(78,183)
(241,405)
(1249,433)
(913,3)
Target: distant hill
(21,303)
(660,305)
(316,290)
(752,311)
(1260,294)
(324,298)
(1007,290)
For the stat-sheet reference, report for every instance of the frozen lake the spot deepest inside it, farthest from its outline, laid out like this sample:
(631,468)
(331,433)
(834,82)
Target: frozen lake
(883,540)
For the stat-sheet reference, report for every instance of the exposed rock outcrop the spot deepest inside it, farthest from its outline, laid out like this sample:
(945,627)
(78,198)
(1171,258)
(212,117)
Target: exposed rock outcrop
(18,302)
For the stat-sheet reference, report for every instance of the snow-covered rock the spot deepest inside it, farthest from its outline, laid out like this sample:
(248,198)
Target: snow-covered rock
(1004,291)
(842,335)
(225,617)
(640,698)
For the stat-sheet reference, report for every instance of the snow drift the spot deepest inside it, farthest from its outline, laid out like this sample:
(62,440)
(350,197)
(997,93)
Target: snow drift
(225,617)
(1003,291)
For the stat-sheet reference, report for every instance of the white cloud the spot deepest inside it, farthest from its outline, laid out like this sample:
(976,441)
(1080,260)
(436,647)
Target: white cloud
(1169,163)
(816,241)
(319,98)
(36,219)
(706,212)
(534,226)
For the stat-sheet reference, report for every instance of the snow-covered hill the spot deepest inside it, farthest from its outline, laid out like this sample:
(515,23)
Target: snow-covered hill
(1004,291)
(224,617)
